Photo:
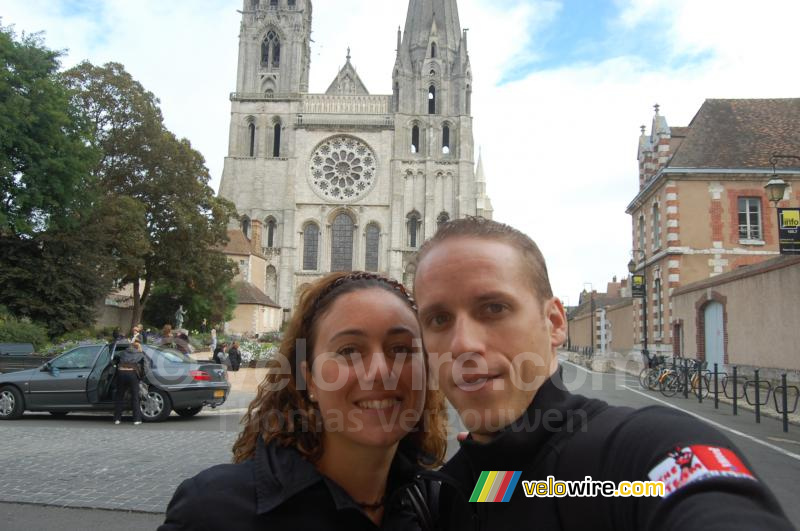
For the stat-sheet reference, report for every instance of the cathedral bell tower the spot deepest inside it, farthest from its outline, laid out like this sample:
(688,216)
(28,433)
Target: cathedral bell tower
(274,47)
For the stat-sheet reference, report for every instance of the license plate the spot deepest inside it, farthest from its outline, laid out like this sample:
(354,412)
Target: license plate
(219,394)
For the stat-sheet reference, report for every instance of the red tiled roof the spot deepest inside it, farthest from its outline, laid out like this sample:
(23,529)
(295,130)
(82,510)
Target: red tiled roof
(739,134)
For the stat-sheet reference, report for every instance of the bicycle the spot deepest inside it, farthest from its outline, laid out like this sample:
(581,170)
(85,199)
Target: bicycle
(672,381)
(650,375)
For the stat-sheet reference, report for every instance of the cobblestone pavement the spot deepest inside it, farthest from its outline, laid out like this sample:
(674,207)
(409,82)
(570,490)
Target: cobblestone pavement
(114,467)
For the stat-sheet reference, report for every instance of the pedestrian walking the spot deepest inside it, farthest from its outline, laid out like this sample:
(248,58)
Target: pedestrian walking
(219,354)
(130,371)
(234,356)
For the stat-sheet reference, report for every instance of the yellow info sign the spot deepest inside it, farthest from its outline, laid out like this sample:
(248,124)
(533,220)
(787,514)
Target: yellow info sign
(790,218)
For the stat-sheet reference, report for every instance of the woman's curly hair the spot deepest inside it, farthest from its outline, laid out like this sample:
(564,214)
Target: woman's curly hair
(282,411)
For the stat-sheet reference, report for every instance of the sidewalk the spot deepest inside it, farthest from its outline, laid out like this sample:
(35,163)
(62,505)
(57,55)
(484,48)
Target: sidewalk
(245,379)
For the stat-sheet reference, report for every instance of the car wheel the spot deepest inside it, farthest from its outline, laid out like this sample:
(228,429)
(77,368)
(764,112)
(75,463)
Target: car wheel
(189,411)
(12,405)
(156,406)
(59,414)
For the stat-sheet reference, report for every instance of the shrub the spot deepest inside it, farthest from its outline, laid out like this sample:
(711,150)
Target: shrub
(22,331)
(256,351)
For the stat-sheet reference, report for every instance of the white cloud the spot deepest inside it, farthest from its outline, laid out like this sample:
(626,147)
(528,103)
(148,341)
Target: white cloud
(559,145)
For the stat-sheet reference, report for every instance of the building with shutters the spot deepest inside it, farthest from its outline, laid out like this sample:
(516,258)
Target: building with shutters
(349,180)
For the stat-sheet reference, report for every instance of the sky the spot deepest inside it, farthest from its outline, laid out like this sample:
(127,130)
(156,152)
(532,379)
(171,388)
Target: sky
(560,88)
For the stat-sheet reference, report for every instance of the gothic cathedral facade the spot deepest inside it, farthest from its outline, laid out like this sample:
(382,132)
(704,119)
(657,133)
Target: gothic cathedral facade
(349,180)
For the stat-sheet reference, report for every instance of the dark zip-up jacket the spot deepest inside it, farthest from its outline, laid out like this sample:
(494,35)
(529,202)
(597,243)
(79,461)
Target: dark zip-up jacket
(570,437)
(278,489)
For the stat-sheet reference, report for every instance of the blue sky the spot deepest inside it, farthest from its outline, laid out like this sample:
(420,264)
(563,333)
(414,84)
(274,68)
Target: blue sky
(560,88)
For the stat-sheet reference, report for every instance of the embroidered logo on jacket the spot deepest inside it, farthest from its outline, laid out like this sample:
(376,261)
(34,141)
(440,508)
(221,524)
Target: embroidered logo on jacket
(694,463)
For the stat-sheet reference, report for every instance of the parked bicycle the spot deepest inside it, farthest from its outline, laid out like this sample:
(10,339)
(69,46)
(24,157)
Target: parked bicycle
(650,375)
(673,381)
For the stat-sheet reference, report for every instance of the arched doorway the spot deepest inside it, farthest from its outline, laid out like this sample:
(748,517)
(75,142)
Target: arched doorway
(714,334)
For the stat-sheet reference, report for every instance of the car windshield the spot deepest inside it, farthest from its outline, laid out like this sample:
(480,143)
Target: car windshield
(166,354)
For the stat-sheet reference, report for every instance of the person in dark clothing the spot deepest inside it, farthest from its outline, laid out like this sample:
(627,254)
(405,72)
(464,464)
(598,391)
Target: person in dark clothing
(336,442)
(234,356)
(219,353)
(485,300)
(130,371)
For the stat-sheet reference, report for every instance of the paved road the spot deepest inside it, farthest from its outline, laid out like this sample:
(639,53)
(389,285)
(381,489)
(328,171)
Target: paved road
(775,455)
(92,474)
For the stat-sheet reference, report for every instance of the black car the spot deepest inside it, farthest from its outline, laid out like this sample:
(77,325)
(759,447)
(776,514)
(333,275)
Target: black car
(83,379)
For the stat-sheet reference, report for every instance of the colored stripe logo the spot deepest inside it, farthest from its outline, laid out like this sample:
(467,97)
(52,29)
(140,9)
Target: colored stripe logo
(494,486)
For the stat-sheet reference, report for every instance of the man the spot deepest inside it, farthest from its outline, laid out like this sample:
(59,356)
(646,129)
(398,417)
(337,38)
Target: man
(130,370)
(492,327)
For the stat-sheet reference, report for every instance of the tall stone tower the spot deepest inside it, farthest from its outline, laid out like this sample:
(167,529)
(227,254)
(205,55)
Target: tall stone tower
(347,179)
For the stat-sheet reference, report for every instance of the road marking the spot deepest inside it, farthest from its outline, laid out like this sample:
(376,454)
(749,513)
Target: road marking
(229,411)
(778,439)
(717,425)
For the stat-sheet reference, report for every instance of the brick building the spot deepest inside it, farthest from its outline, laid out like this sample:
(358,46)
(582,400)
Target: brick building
(701,208)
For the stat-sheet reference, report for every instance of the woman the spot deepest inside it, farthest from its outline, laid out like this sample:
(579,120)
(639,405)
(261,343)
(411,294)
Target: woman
(340,427)
(213,339)
(130,370)
(234,356)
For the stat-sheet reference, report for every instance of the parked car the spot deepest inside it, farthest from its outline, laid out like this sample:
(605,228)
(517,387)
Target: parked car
(18,356)
(82,379)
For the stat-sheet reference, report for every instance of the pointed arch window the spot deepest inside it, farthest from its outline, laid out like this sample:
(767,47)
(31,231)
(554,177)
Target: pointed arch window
(446,139)
(271,50)
(415,139)
(271,229)
(441,219)
(469,99)
(433,50)
(413,226)
(342,243)
(372,247)
(246,226)
(251,134)
(310,246)
(276,139)
(431,100)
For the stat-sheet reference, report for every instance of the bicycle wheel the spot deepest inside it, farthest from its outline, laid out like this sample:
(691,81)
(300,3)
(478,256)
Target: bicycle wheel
(644,376)
(695,385)
(670,384)
(653,378)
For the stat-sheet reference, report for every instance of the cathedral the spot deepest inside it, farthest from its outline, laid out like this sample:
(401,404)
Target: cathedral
(348,180)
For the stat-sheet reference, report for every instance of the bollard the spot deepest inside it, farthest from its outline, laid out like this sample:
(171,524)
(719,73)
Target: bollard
(785,404)
(735,393)
(699,384)
(716,387)
(758,399)
(685,378)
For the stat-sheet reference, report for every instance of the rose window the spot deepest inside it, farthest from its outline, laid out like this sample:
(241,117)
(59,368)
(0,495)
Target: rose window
(342,169)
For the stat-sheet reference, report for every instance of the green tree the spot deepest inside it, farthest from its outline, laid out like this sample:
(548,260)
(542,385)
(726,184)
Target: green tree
(183,223)
(44,154)
(54,258)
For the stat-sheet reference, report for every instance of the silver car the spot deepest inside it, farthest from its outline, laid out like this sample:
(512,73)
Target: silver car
(83,379)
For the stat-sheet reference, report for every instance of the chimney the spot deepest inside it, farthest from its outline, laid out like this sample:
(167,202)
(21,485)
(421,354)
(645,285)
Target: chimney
(255,235)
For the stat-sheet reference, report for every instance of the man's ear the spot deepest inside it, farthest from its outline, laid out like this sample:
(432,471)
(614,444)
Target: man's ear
(556,321)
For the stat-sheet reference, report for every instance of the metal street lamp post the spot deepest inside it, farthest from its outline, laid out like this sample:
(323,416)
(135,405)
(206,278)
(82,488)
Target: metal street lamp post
(775,189)
(632,269)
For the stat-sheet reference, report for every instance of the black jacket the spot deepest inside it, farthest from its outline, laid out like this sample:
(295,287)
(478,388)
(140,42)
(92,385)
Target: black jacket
(278,489)
(570,436)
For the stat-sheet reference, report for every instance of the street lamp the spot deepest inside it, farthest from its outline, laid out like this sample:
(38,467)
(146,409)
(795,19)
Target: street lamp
(776,186)
(632,269)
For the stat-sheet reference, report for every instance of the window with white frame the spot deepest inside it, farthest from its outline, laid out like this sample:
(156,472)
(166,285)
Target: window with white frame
(658,310)
(750,218)
(656,227)
(641,232)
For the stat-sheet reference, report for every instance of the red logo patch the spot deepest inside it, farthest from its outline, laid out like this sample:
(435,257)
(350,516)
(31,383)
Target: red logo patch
(694,463)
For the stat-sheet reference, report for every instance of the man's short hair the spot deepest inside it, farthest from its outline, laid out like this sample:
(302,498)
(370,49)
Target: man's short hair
(482,228)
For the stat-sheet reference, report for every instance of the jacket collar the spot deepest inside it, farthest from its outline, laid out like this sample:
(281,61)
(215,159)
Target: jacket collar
(281,473)
(553,408)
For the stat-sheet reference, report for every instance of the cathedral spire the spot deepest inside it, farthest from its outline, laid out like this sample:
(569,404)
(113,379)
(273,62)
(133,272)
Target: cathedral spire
(421,17)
